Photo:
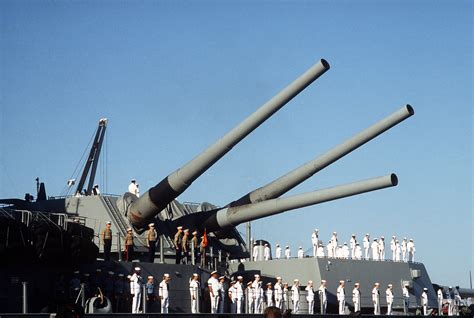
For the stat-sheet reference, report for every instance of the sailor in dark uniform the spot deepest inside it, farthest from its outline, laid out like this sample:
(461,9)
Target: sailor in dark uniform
(129,245)
(177,243)
(107,240)
(151,237)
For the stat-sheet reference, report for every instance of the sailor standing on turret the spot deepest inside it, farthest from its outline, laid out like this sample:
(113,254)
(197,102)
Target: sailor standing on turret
(295,296)
(424,301)
(411,250)
(389,297)
(404,249)
(356,297)
(314,241)
(278,291)
(358,252)
(266,252)
(95,190)
(398,251)
(329,249)
(287,252)
(300,252)
(164,293)
(136,282)
(345,251)
(334,244)
(393,245)
(320,252)
(278,251)
(132,187)
(440,301)
(382,248)
(323,299)
(375,250)
(151,237)
(310,297)
(376,299)
(194,293)
(213,285)
(406,299)
(366,245)
(341,298)
(352,245)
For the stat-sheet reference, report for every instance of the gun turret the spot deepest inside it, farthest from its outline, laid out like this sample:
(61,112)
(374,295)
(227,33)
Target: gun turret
(230,217)
(287,182)
(141,210)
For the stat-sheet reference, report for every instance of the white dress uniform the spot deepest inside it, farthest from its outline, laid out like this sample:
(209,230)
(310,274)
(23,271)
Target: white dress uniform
(404,249)
(136,282)
(356,299)
(287,252)
(310,298)
(278,292)
(323,298)
(411,251)
(389,298)
(334,244)
(341,299)
(295,298)
(329,250)
(164,294)
(406,300)
(449,299)
(255,253)
(194,293)
(314,242)
(352,245)
(320,252)
(269,297)
(424,302)
(132,188)
(250,299)
(300,252)
(213,284)
(376,300)
(285,304)
(266,252)
(345,251)
(375,250)
(233,298)
(440,301)
(239,291)
(278,252)
(358,252)
(382,249)
(393,245)
(366,246)
(398,251)
(220,309)
(258,296)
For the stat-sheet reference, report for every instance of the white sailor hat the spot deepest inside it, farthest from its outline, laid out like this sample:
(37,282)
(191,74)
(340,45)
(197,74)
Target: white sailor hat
(186,230)
(278,245)
(213,272)
(341,282)
(98,270)
(195,275)
(266,244)
(222,277)
(407,285)
(345,243)
(180,227)
(310,281)
(149,277)
(151,224)
(120,275)
(411,239)
(393,236)
(76,272)
(367,234)
(389,285)
(450,287)
(334,232)
(129,229)
(323,281)
(356,284)
(166,275)
(87,274)
(287,246)
(249,284)
(137,268)
(296,280)
(316,230)
(425,288)
(300,247)
(382,237)
(353,235)
(108,222)
(195,233)
(111,273)
(269,284)
(278,277)
(397,241)
(256,275)
(357,243)
(375,239)
(129,276)
(377,284)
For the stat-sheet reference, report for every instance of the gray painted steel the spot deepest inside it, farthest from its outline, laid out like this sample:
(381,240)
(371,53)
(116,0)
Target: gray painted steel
(233,216)
(287,182)
(144,209)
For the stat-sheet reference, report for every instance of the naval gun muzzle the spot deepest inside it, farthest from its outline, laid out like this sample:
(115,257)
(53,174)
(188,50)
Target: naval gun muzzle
(293,178)
(158,197)
(230,217)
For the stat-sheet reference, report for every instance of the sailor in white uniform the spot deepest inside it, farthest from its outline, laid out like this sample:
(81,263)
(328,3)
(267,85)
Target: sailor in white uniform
(382,248)
(286,303)
(310,297)
(334,243)
(287,252)
(341,298)
(424,301)
(404,249)
(376,299)
(300,252)
(352,245)
(136,282)
(278,251)
(450,300)
(366,246)
(329,250)
(255,251)
(393,245)
(194,293)
(314,241)
(269,295)
(358,252)
(406,299)
(239,290)
(266,252)
(213,285)
(398,251)
(221,295)
(323,298)
(295,295)
(320,252)
(345,251)
(250,298)
(278,293)
(258,294)
(356,297)
(164,294)
(132,187)
(375,250)
(440,301)
(389,298)
(411,250)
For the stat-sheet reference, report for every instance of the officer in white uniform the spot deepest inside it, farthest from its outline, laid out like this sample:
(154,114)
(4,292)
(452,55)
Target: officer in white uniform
(310,297)
(287,252)
(269,295)
(239,290)
(258,294)
(164,293)
(194,293)
(136,282)
(300,252)
(366,245)
(358,252)
(295,296)
(352,245)
(278,291)
(382,248)
(404,249)
(314,241)
(411,250)
(376,299)
(356,297)
(132,187)
(213,285)
(266,252)
(278,251)
(320,252)
(389,297)
(406,299)
(341,298)
(440,301)
(323,298)
(375,250)
(424,301)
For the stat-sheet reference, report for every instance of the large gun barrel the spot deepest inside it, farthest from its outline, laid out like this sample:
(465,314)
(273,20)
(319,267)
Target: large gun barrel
(285,183)
(230,217)
(158,197)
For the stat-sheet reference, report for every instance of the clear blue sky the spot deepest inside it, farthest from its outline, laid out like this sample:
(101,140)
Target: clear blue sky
(173,76)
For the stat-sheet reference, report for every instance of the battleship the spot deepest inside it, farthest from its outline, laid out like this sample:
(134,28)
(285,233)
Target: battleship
(57,236)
